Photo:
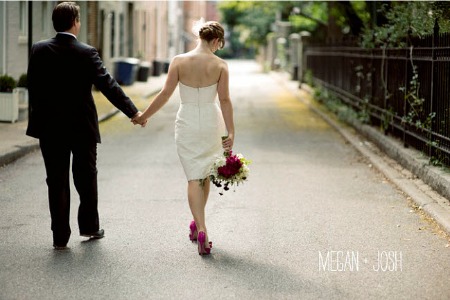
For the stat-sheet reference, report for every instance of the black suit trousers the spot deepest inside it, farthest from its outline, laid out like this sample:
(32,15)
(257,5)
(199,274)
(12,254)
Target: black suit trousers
(57,156)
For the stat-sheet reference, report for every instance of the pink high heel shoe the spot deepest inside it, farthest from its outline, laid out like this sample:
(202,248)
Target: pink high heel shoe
(193,233)
(202,250)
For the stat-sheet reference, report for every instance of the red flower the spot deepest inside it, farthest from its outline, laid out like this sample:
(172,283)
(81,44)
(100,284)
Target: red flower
(232,166)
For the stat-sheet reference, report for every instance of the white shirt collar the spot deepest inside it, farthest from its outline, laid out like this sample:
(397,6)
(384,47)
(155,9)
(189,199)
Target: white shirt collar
(68,33)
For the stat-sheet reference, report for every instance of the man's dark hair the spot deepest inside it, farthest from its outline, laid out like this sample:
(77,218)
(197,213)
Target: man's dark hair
(64,15)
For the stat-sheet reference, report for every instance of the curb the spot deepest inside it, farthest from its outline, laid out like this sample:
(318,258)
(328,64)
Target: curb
(400,156)
(23,150)
(422,200)
(436,179)
(16,154)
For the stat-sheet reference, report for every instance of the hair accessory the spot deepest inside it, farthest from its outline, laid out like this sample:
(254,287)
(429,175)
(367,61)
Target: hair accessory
(197,26)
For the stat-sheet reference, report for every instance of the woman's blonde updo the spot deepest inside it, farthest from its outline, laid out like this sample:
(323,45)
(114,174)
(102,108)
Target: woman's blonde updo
(212,30)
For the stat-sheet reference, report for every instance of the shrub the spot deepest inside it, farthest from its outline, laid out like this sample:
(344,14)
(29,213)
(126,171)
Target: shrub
(22,81)
(7,84)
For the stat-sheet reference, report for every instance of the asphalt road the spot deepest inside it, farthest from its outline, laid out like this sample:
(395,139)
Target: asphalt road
(314,221)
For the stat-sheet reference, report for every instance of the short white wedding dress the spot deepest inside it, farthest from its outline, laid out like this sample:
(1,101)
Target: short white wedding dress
(199,128)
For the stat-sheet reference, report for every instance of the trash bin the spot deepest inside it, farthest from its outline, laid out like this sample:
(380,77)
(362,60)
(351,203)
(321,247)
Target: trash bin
(125,70)
(157,67)
(143,71)
(166,66)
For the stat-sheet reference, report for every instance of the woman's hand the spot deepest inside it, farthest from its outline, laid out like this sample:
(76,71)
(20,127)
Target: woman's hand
(139,119)
(227,142)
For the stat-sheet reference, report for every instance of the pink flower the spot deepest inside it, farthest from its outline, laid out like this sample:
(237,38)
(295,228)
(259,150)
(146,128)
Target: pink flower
(232,166)
(229,170)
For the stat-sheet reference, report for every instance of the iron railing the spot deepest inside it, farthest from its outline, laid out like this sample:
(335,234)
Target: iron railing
(406,91)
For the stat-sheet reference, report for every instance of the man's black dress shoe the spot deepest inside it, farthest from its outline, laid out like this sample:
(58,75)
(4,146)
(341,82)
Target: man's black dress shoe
(94,235)
(59,247)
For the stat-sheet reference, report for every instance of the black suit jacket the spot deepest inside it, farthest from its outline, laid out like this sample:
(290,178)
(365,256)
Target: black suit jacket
(61,73)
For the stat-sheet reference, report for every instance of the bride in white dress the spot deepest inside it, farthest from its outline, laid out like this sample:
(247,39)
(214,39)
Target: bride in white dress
(200,123)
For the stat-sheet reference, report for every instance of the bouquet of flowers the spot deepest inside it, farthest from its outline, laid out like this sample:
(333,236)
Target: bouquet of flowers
(228,170)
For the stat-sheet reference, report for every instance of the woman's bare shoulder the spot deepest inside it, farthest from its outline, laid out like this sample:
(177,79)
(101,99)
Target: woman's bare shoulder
(178,58)
(222,64)
(183,58)
(185,55)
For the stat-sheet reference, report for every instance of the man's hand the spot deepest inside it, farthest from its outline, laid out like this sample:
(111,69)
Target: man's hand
(137,119)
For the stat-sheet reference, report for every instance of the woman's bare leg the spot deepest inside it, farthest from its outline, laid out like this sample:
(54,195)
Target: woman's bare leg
(197,197)
(206,186)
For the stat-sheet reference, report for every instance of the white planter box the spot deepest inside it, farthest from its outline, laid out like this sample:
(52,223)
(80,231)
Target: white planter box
(9,107)
(22,95)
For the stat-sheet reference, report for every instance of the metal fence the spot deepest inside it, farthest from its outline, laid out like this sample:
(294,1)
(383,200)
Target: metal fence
(405,91)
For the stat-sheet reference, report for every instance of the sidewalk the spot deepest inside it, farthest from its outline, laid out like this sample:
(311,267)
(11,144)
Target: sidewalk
(15,143)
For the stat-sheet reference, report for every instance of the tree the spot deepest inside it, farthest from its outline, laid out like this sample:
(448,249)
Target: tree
(248,23)
(312,17)
(374,23)
(405,19)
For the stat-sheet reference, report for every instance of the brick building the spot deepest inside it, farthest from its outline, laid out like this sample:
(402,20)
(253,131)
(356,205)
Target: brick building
(148,30)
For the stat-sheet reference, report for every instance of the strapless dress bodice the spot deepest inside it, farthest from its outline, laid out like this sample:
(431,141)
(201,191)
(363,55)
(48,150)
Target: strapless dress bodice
(191,95)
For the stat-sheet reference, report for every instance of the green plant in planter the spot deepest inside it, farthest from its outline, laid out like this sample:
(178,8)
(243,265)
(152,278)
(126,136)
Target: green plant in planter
(7,84)
(22,81)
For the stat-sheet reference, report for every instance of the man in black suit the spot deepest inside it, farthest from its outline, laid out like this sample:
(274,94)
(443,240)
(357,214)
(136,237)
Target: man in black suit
(63,117)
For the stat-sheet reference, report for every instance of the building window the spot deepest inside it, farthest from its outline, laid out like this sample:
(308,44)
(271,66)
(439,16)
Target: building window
(44,17)
(23,18)
(113,33)
(23,22)
(130,19)
(121,35)
(144,32)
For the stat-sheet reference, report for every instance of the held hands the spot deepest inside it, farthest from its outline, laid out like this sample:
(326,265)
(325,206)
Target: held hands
(227,142)
(138,119)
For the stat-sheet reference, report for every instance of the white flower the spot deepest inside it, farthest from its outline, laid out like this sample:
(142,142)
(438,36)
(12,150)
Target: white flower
(197,26)
(235,177)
